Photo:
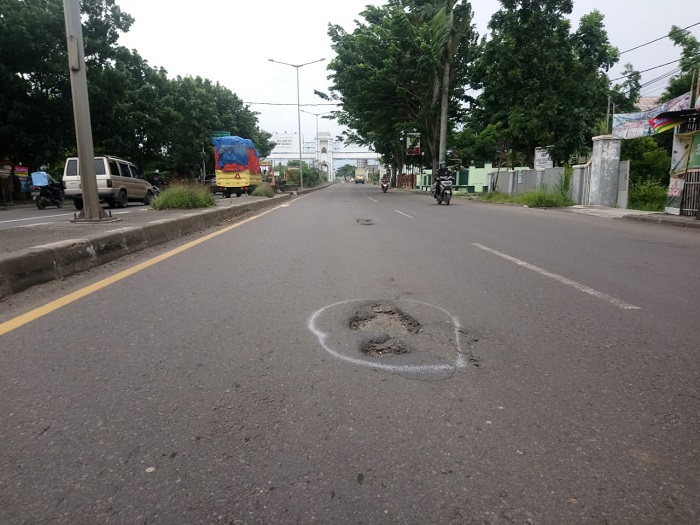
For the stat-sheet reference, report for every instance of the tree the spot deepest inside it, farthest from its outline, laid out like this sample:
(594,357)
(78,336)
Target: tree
(689,63)
(546,85)
(35,101)
(450,29)
(625,96)
(389,73)
(136,111)
(346,171)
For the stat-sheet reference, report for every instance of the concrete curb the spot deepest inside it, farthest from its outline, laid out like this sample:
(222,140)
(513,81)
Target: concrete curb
(29,267)
(666,221)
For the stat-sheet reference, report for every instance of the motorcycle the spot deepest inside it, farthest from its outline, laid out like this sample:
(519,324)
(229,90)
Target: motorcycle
(443,192)
(47,196)
(385,185)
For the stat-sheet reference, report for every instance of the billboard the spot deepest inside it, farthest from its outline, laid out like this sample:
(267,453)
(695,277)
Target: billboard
(635,125)
(542,159)
(285,143)
(413,144)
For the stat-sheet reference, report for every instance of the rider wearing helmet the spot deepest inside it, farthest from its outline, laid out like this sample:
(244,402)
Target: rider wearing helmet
(441,174)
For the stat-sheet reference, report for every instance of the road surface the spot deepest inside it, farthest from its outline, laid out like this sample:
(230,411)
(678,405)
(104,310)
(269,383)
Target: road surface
(360,357)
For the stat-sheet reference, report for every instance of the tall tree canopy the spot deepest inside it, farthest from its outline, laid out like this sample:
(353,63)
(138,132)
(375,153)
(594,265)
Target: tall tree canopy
(396,70)
(546,85)
(137,112)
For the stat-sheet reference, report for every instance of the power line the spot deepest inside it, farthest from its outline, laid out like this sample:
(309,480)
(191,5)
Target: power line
(645,70)
(656,40)
(293,104)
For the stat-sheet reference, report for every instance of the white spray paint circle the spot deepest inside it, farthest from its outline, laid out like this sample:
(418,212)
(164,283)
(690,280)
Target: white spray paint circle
(418,370)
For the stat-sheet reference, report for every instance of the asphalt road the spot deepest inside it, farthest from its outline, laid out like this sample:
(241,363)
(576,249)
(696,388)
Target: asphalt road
(359,357)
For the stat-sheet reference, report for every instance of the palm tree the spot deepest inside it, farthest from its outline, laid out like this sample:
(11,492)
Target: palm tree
(450,23)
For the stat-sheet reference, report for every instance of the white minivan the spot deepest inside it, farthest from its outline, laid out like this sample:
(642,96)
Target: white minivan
(118,182)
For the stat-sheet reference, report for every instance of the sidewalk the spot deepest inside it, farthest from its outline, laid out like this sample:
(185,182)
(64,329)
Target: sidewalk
(636,215)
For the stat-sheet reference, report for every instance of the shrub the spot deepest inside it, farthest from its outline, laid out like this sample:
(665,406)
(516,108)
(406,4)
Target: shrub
(544,198)
(647,195)
(182,196)
(264,190)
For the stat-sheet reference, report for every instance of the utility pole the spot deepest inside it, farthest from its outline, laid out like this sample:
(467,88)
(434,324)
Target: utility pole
(92,211)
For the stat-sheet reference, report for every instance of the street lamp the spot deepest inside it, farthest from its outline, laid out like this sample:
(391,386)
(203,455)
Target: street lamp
(318,157)
(297,66)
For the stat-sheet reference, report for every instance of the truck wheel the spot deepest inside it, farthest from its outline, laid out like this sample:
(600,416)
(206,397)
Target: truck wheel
(239,193)
(227,193)
(250,191)
(78,203)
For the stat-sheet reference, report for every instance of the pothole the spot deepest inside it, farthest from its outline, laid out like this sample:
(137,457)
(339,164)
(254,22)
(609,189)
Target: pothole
(365,222)
(383,345)
(384,317)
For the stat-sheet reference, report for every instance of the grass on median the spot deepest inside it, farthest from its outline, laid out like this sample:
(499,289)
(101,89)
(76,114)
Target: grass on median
(183,196)
(264,190)
(541,198)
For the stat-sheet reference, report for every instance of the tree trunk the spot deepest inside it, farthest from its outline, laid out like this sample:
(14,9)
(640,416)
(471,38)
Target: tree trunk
(444,106)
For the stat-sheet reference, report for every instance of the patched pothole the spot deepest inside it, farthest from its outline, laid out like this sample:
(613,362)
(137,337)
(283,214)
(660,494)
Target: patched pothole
(365,222)
(384,317)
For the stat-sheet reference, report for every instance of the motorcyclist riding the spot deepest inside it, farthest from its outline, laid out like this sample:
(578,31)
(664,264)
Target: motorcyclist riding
(441,174)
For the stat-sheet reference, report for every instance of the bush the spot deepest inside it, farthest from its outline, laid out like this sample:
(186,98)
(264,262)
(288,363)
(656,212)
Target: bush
(647,195)
(183,196)
(264,190)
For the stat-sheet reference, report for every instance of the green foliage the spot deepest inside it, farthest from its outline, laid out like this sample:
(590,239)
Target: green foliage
(345,172)
(648,160)
(689,63)
(544,198)
(549,88)
(647,195)
(434,41)
(137,112)
(184,196)
(541,198)
(264,190)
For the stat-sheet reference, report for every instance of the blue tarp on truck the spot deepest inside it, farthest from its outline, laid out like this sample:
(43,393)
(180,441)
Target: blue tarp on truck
(234,150)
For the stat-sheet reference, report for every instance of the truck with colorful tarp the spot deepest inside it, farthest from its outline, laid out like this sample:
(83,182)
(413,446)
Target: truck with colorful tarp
(237,165)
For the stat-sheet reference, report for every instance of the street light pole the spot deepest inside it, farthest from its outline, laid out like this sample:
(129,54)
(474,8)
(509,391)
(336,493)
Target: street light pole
(297,66)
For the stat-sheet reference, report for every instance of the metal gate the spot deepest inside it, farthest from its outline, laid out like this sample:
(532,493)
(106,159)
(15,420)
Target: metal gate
(691,193)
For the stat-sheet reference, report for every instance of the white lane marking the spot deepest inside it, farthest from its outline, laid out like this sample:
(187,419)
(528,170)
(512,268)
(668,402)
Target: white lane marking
(37,218)
(35,224)
(578,286)
(370,198)
(460,361)
(404,214)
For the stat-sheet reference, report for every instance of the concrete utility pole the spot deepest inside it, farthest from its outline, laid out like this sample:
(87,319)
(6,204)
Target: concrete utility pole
(92,211)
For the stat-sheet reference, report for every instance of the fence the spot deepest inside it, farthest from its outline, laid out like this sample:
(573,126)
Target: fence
(522,181)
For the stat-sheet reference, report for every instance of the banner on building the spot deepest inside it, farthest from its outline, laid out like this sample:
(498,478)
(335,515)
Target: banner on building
(682,150)
(635,125)
(413,144)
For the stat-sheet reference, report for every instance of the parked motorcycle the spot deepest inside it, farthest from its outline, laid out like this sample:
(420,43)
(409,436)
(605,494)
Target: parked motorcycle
(443,192)
(385,185)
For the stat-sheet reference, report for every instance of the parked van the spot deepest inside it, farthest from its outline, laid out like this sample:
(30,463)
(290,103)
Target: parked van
(118,182)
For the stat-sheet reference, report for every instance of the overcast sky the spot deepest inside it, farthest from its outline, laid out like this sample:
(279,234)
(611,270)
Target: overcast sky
(230,42)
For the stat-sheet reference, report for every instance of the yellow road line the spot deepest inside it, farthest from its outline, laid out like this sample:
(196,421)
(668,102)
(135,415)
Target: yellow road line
(37,313)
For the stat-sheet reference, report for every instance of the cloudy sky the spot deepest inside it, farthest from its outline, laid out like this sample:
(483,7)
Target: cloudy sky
(230,42)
